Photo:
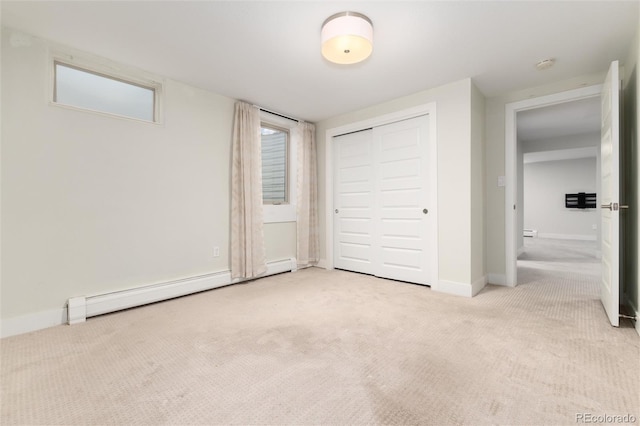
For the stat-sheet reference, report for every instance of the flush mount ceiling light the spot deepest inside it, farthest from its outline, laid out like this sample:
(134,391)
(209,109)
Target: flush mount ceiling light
(347,38)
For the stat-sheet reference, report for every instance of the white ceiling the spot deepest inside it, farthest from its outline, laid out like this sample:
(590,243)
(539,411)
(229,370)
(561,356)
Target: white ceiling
(268,52)
(565,119)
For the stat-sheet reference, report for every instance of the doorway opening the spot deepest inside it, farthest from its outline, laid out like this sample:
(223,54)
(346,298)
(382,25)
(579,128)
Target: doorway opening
(514,170)
(558,174)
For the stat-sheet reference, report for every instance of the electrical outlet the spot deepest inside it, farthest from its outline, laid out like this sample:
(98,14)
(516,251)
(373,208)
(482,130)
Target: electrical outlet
(216,252)
(594,226)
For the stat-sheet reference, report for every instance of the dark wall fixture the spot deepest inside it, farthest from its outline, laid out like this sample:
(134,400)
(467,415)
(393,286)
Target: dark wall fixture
(581,200)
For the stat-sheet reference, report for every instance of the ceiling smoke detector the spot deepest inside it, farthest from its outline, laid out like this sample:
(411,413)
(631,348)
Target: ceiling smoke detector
(545,64)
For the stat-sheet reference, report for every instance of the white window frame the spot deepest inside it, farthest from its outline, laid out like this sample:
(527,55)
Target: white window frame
(108,69)
(285,212)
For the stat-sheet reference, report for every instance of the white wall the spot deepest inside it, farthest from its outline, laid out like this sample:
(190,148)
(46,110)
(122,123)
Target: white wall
(547,146)
(94,204)
(545,186)
(455,138)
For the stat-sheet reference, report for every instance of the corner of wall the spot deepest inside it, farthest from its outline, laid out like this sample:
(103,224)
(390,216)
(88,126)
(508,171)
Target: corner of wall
(496,279)
(478,191)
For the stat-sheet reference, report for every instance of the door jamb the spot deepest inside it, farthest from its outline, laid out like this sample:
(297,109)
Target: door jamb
(511,176)
(425,109)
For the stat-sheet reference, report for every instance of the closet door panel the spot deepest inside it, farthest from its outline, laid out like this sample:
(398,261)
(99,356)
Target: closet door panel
(402,183)
(354,202)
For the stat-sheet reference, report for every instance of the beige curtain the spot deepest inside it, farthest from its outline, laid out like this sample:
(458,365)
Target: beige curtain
(247,234)
(308,244)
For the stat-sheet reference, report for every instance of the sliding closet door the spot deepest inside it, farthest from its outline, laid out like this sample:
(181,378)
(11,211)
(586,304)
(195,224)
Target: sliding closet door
(402,200)
(381,201)
(353,202)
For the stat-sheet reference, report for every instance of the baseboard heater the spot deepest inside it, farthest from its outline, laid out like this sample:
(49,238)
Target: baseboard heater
(530,233)
(83,307)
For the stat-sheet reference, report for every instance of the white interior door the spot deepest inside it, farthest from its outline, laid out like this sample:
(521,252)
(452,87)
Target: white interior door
(610,195)
(353,202)
(402,201)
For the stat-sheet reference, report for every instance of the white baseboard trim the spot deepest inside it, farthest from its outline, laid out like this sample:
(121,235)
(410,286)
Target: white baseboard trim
(32,322)
(567,236)
(455,288)
(478,285)
(80,308)
(497,279)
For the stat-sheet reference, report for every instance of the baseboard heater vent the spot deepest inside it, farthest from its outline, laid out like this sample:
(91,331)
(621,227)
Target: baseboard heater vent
(81,308)
(530,233)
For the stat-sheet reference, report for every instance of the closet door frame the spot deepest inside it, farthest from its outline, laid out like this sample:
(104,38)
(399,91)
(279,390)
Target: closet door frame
(425,109)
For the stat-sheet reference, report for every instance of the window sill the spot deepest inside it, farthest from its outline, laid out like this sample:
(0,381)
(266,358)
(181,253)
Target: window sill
(279,213)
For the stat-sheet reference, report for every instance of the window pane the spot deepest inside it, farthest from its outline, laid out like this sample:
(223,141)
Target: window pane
(274,165)
(84,89)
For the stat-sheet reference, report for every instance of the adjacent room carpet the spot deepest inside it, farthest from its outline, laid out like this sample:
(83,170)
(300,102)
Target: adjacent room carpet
(332,347)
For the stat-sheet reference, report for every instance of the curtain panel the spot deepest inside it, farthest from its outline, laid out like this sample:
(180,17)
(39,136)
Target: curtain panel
(308,245)
(248,258)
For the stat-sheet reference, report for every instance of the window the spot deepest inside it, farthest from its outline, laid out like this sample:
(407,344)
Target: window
(275,152)
(81,88)
(279,173)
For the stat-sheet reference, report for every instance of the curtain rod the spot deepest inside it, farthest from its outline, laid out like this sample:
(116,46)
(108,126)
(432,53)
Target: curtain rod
(278,114)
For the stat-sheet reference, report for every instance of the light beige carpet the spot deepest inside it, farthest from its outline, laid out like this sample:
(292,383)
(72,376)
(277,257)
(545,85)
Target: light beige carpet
(319,347)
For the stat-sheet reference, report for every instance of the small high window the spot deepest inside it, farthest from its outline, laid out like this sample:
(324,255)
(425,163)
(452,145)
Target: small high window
(81,88)
(275,149)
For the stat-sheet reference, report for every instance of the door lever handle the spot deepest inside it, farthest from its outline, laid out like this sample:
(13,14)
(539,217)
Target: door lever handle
(614,206)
